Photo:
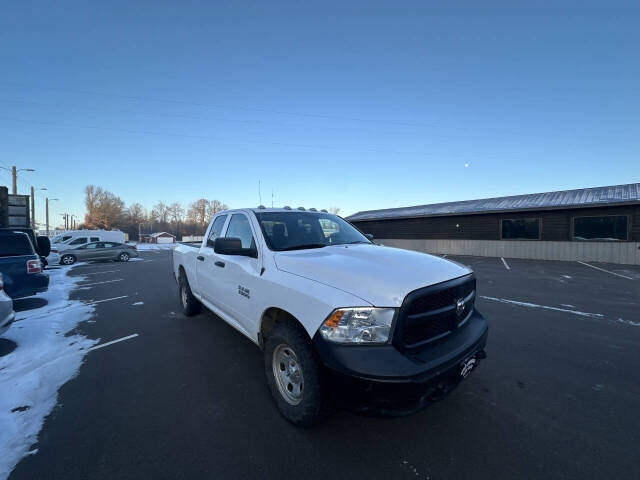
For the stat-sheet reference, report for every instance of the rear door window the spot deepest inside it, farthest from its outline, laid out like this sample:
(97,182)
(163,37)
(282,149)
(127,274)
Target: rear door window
(95,239)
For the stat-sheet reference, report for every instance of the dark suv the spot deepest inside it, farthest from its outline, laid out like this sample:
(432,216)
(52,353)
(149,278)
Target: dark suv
(20,265)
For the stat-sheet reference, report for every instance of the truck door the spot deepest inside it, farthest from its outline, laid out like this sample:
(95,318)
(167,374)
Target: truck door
(207,274)
(239,274)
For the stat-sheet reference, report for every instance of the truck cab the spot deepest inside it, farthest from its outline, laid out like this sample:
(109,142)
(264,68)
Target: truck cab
(326,304)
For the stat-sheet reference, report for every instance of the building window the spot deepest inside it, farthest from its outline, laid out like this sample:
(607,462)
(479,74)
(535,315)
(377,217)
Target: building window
(604,229)
(521,229)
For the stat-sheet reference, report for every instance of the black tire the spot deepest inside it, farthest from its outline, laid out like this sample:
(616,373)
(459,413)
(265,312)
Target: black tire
(124,257)
(313,402)
(67,259)
(190,305)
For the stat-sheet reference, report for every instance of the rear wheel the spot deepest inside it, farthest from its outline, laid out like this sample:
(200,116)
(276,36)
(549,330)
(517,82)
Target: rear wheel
(123,257)
(190,304)
(68,260)
(294,374)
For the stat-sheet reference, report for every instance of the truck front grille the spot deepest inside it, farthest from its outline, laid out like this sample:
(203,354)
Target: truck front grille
(433,312)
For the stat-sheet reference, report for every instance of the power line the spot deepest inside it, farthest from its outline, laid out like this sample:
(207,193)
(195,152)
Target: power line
(205,105)
(190,117)
(223,139)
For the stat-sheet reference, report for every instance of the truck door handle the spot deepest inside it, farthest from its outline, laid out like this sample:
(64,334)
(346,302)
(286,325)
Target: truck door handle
(200,257)
(219,264)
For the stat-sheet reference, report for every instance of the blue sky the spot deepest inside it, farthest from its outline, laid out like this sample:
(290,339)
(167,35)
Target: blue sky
(359,105)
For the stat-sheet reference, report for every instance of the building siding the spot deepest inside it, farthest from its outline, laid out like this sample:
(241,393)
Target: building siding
(556,225)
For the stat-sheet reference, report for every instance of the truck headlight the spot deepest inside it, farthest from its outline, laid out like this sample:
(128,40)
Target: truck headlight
(358,325)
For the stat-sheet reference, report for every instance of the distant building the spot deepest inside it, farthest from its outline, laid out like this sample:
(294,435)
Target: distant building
(589,224)
(161,237)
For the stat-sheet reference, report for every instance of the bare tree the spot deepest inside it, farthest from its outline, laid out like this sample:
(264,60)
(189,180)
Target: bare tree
(334,210)
(136,213)
(175,212)
(104,209)
(214,207)
(160,212)
(197,212)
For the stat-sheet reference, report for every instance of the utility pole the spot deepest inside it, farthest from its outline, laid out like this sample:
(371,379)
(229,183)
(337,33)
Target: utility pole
(14,177)
(33,208)
(47,212)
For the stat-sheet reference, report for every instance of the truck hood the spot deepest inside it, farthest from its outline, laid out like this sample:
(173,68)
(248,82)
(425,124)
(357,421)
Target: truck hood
(382,276)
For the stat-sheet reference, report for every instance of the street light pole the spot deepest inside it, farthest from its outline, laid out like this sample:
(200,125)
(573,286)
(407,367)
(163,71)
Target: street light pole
(14,177)
(33,206)
(47,210)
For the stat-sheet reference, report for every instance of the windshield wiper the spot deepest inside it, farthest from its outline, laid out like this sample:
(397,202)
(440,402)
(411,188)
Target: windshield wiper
(357,241)
(302,247)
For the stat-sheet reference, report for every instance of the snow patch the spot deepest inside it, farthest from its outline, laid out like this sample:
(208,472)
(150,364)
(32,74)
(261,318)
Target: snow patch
(137,303)
(44,360)
(156,246)
(569,277)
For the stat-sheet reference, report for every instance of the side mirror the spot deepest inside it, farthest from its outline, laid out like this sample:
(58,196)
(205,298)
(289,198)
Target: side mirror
(210,243)
(233,246)
(44,246)
(369,236)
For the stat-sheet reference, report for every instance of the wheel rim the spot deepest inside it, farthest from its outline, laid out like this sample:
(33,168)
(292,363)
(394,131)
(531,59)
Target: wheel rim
(67,260)
(287,372)
(124,257)
(183,294)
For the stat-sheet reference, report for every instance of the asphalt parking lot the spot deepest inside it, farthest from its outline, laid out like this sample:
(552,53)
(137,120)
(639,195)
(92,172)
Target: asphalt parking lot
(557,396)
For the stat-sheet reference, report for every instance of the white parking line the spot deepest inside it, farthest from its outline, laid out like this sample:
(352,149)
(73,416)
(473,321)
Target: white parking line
(93,302)
(99,283)
(112,342)
(100,273)
(445,255)
(535,305)
(602,269)
(506,265)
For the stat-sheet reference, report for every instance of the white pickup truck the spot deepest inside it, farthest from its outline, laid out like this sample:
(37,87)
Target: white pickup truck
(333,311)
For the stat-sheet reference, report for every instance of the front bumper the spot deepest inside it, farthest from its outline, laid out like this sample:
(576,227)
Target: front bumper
(389,380)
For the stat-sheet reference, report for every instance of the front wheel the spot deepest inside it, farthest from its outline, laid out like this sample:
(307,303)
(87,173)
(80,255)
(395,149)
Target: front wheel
(294,374)
(123,257)
(68,260)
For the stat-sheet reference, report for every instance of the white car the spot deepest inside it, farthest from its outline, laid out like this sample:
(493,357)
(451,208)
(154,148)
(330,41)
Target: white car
(334,311)
(77,238)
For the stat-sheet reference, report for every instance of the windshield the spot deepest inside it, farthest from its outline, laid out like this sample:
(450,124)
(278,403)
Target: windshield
(300,230)
(60,238)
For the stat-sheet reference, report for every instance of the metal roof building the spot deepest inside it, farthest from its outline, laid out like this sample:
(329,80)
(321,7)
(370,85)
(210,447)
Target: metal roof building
(597,224)
(583,197)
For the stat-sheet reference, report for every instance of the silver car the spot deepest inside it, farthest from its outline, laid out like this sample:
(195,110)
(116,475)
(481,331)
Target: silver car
(7,315)
(120,252)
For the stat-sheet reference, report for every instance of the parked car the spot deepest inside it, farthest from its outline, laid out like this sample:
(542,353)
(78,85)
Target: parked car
(327,305)
(20,265)
(119,252)
(76,238)
(7,315)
